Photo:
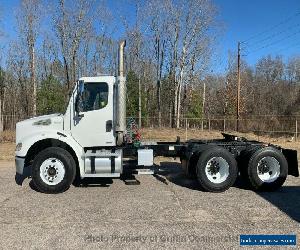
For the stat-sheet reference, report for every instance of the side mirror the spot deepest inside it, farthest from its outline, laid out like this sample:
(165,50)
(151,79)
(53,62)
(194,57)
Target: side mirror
(78,101)
(78,104)
(80,86)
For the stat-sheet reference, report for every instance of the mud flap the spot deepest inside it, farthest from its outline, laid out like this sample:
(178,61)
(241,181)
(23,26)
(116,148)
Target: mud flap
(291,157)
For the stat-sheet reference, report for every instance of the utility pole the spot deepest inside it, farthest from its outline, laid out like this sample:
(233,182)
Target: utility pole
(140,103)
(203,100)
(203,107)
(1,117)
(238,87)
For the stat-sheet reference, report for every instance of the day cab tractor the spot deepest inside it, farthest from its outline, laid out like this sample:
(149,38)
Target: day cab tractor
(89,140)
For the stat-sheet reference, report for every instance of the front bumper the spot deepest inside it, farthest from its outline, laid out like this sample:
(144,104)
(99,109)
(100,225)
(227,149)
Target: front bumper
(20,164)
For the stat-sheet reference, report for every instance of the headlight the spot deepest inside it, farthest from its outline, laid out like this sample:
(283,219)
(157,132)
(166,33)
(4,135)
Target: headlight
(44,122)
(19,146)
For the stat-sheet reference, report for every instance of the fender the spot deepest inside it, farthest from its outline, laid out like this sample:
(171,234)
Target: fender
(30,140)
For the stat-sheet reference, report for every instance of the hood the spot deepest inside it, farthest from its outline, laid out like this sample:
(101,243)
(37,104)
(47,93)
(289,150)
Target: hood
(38,124)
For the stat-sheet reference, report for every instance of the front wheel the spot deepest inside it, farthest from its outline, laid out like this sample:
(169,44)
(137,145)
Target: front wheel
(216,169)
(53,170)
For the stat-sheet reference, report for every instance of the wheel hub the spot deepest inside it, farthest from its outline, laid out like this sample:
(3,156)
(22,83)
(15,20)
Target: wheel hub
(217,170)
(214,167)
(263,167)
(268,169)
(52,171)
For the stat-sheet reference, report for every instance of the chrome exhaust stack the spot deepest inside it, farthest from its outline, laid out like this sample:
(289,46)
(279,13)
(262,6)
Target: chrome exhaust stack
(120,127)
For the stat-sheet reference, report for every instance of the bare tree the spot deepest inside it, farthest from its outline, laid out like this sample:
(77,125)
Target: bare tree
(29,24)
(136,55)
(18,82)
(159,23)
(72,23)
(181,40)
(104,52)
(293,70)
(2,95)
(194,19)
(2,83)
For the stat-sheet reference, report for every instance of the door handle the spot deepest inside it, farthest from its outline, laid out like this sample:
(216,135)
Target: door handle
(108,125)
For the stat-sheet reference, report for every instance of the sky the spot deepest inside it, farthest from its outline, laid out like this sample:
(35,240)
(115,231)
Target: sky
(273,24)
(263,26)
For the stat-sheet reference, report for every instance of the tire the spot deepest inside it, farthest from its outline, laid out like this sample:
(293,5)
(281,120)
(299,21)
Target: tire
(216,169)
(267,169)
(243,161)
(58,168)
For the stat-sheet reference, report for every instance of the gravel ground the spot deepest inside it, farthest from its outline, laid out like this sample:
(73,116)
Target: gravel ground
(164,211)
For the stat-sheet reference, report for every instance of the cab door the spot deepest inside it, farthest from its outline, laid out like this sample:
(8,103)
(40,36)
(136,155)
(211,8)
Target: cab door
(93,125)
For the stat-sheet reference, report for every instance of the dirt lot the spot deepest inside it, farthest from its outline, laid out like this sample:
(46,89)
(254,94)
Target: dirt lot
(165,211)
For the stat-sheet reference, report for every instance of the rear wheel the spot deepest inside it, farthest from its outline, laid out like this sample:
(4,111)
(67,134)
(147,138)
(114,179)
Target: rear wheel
(267,169)
(53,170)
(216,169)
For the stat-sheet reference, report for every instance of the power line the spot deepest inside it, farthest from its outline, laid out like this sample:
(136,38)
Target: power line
(219,61)
(270,44)
(286,30)
(295,45)
(273,27)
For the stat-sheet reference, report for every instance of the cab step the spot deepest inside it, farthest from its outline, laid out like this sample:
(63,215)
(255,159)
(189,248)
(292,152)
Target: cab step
(144,171)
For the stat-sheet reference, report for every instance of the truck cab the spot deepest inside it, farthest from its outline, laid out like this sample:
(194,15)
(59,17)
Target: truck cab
(90,114)
(84,136)
(85,141)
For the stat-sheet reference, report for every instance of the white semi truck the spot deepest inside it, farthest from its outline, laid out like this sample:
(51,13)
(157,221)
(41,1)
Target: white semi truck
(88,140)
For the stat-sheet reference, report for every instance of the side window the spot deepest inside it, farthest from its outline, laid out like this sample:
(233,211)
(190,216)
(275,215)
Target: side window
(94,96)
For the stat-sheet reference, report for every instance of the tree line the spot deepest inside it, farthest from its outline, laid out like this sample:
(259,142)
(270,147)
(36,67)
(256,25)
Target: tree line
(169,49)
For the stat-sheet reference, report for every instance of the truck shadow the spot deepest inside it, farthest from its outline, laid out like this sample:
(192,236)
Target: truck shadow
(172,171)
(128,179)
(93,182)
(286,199)
(88,182)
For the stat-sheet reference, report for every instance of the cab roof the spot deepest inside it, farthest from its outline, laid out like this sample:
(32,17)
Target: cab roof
(95,79)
